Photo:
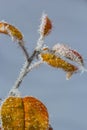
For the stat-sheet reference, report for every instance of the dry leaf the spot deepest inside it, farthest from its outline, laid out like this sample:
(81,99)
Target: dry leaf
(57,62)
(10,30)
(65,51)
(26,113)
(46,25)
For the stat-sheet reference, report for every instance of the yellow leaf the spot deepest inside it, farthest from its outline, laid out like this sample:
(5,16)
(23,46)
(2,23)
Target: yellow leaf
(26,113)
(57,62)
(11,30)
(12,114)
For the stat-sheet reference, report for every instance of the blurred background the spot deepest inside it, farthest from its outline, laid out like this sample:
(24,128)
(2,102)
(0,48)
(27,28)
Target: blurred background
(66,100)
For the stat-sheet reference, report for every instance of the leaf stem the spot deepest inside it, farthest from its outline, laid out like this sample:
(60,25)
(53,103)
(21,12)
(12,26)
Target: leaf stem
(26,54)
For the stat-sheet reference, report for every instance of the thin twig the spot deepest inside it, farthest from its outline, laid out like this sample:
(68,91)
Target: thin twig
(22,74)
(26,54)
(35,65)
(40,43)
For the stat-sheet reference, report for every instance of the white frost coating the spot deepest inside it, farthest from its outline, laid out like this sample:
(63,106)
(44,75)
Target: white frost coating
(22,74)
(15,92)
(14,39)
(82,69)
(2,28)
(43,23)
(63,50)
(35,65)
(40,41)
(69,75)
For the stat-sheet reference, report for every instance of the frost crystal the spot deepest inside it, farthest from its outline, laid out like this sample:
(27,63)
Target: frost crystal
(14,92)
(65,51)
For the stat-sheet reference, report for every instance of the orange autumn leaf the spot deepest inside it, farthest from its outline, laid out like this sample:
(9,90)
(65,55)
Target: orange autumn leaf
(46,25)
(57,62)
(10,30)
(26,113)
(36,115)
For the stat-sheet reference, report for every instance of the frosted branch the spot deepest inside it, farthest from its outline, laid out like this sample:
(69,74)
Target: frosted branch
(23,73)
(40,43)
(35,65)
(25,52)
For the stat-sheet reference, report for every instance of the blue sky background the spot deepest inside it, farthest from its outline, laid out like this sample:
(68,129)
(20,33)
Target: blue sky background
(66,100)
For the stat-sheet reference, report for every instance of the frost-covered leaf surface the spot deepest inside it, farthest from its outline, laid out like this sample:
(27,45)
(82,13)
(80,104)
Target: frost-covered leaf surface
(24,114)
